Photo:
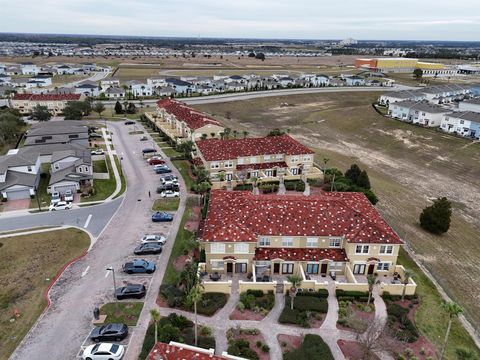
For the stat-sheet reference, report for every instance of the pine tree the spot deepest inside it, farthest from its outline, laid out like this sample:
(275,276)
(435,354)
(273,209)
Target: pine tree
(353,173)
(363,180)
(436,218)
(118,108)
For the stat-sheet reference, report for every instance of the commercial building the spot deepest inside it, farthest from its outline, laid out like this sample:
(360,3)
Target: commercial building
(402,65)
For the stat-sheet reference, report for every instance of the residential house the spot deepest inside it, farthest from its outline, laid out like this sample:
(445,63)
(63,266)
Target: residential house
(109,82)
(204,89)
(180,86)
(5,79)
(70,170)
(53,133)
(19,175)
(115,93)
(395,96)
(29,69)
(88,89)
(13,70)
(354,80)
(89,67)
(263,239)
(156,82)
(417,112)
(54,102)
(235,86)
(41,81)
(470,105)
(465,123)
(138,88)
(65,70)
(182,123)
(286,81)
(319,80)
(166,91)
(446,93)
(3,69)
(270,158)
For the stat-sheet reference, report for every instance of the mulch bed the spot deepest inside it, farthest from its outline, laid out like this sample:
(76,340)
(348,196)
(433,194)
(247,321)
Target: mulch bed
(194,221)
(289,343)
(253,344)
(366,316)
(352,350)
(180,262)
(246,315)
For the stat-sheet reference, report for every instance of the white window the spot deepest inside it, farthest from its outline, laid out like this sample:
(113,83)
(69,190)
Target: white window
(362,249)
(287,242)
(307,158)
(336,266)
(386,249)
(266,158)
(383,266)
(56,166)
(80,169)
(217,248)
(264,241)
(312,242)
(214,165)
(279,157)
(253,160)
(287,268)
(294,159)
(29,168)
(241,161)
(241,248)
(217,264)
(228,164)
(335,242)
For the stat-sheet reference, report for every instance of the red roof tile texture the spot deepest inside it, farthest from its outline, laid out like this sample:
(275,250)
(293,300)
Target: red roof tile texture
(47,97)
(162,351)
(193,118)
(217,149)
(240,216)
(300,254)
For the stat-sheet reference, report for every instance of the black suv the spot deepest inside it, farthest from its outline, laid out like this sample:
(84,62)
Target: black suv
(164,187)
(131,291)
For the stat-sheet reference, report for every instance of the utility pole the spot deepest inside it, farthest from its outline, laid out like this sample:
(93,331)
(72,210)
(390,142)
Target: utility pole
(333,181)
(114,286)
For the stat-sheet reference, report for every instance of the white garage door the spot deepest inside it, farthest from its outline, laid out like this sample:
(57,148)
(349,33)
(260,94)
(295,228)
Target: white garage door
(18,194)
(61,189)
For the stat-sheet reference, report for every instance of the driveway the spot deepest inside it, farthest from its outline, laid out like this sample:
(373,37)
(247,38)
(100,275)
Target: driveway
(86,284)
(13,205)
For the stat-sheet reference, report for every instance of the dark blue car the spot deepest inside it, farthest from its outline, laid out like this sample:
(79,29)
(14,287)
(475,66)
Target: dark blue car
(139,266)
(161,216)
(148,151)
(163,170)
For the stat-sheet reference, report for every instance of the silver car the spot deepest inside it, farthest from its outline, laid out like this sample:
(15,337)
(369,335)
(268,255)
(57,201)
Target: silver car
(152,238)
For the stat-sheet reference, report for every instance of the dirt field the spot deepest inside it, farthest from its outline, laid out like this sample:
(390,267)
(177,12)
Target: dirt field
(408,166)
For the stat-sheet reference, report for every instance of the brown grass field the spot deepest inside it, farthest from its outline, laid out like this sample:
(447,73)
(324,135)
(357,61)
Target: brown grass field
(28,264)
(408,167)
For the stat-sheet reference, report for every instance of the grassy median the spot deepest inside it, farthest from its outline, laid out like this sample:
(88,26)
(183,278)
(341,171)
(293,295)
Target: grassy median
(28,264)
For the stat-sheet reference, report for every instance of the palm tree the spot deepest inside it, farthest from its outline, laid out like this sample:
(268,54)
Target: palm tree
(125,104)
(212,134)
(245,133)
(227,132)
(465,354)
(453,310)
(371,279)
(235,133)
(204,136)
(195,295)
(296,281)
(155,314)
(406,278)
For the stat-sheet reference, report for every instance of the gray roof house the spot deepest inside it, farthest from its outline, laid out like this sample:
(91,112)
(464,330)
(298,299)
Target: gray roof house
(19,175)
(70,170)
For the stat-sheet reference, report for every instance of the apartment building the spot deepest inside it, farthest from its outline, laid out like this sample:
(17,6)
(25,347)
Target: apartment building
(465,123)
(182,123)
(269,158)
(265,238)
(417,112)
(55,103)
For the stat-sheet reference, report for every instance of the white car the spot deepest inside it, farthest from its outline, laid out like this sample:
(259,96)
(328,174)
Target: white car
(150,238)
(55,198)
(97,151)
(61,205)
(160,166)
(103,351)
(69,196)
(169,194)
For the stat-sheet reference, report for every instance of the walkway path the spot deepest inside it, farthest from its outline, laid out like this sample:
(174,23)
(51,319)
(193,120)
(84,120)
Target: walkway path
(118,181)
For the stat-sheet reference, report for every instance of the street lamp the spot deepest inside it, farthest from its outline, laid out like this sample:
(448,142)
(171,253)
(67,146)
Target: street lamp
(114,284)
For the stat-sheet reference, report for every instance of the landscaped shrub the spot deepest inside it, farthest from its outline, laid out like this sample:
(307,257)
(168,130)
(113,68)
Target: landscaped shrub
(312,348)
(241,347)
(355,294)
(246,187)
(297,185)
(256,300)
(304,303)
(398,320)
(211,302)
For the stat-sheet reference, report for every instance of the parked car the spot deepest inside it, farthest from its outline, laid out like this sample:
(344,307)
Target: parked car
(169,194)
(129,122)
(161,216)
(149,151)
(109,332)
(68,196)
(170,186)
(95,136)
(155,161)
(148,249)
(131,291)
(55,198)
(169,179)
(139,266)
(61,205)
(151,238)
(163,171)
(160,166)
(103,351)
(98,151)
(144,138)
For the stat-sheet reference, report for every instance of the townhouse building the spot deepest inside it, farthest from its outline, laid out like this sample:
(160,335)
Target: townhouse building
(182,123)
(270,158)
(396,96)
(470,105)
(464,123)
(55,103)
(417,112)
(265,238)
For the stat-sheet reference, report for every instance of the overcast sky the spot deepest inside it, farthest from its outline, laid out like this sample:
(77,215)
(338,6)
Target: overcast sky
(301,19)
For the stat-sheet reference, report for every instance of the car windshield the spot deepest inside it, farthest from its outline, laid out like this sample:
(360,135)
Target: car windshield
(114,348)
(95,348)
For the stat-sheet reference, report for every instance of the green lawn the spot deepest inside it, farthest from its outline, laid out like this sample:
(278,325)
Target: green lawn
(100,166)
(105,187)
(170,204)
(171,152)
(181,243)
(430,318)
(28,263)
(183,166)
(139,132)
(44,197)
(123,312)
(122,177)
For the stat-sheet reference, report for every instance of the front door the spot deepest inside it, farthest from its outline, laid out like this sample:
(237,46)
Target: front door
(228,176)
(276,268)
(229,267)
(323,269)
(371,269)
(359,269)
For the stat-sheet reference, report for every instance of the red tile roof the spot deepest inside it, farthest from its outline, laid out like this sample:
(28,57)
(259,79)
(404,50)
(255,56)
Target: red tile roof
(280,164)
(193,118)
(300,254)
(240,216)
(162,351)
(47,97)
(217,149)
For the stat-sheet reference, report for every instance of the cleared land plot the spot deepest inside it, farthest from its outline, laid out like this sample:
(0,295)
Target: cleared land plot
(28,264)
(408,166)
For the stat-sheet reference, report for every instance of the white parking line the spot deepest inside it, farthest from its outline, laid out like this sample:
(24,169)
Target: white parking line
(85,271)
(88,221)
(108,273)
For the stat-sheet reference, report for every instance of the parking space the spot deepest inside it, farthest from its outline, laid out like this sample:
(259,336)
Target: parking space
(87,341)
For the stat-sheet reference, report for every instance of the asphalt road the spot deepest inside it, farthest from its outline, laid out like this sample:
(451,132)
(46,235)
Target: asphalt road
(62,329)
(80,217)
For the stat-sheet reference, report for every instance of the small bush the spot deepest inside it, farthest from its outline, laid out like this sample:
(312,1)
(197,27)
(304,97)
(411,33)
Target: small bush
(259,343)
(211,302)
(265,348)
(241,307)
(313,347)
